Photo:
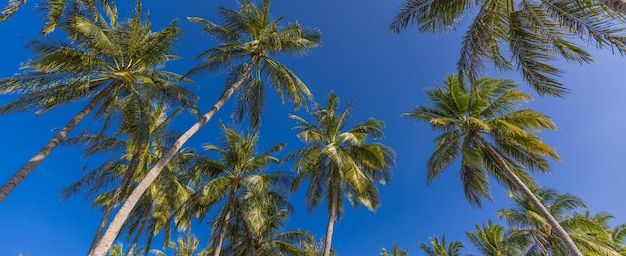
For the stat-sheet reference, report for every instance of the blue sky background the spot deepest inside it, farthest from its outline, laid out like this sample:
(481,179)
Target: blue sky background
(361,60)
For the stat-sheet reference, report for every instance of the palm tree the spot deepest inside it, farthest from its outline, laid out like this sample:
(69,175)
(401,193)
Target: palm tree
(142,135)
(340,162)
(395,251)
(108,64)
(185,246)
(590,233)
(526,35)
(492,136)
(241,183)
(492,240)
(250,35)
(441,248)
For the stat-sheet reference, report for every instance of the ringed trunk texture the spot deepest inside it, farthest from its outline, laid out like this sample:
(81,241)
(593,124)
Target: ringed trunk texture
(21,174)
(229,206)
(616,5)
(569,243)
(116,224)
(132,168)
(332,218)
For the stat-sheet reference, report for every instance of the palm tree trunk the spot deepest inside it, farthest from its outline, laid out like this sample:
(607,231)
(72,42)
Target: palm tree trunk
(121,216)
(569,243)
(132,168)
(229,206)
(616,5)
(131,250)
(333,216)
(21,174)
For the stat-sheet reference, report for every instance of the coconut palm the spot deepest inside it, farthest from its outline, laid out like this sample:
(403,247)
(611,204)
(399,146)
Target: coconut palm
(141,137)
(526,35)
(492,240)
(492,136)
(109,64)
(250,36)
(242,184)
(441,248)
(340,162)
(185,246)
(590,233)
(395,251)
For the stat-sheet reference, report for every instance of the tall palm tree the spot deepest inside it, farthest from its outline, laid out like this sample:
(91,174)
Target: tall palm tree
(492,136)
(526,35)
(395,251)
(590,233)
(441,248)
(250,36)
(242,184)
(340,162)
(492,240)
(107,63)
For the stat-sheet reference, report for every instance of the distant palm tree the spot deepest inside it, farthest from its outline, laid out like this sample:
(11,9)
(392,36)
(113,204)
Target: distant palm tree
(441,248)
(492,240)
(241,183)
(395,251)
(526,35)
(340,162)
(590,233)
(185,246)
(109,64)
(251,36)
(484,127)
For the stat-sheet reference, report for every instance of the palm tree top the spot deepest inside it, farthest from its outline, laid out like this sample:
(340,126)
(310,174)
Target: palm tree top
(250,36)
(490,108)
(526,35)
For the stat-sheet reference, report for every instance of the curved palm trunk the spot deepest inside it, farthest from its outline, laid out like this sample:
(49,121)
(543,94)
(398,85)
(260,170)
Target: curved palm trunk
(569,243)
(333,217)
(229,208)
(21,174)
(132,168)
(121,216)
(616,5)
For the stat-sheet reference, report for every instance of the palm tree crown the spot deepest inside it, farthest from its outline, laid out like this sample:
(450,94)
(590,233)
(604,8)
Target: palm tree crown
(522,34)
(339,161)
(249,42)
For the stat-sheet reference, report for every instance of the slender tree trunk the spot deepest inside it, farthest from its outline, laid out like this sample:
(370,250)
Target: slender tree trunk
(131,250)
(333,216)
(616,5)
(229,208)
(121,216)
(569,243)
(21,174)
(132,168)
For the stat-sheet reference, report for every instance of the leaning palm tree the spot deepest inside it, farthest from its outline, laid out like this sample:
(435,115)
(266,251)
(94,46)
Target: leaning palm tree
(340,162)
(590,233)
(492,240)
(526,35)
(242,184)
(250,36)
(484,127)
(108,64)
(441,248)
(395,251)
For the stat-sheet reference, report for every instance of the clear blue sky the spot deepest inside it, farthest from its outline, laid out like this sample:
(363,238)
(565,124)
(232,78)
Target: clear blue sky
(361,60)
